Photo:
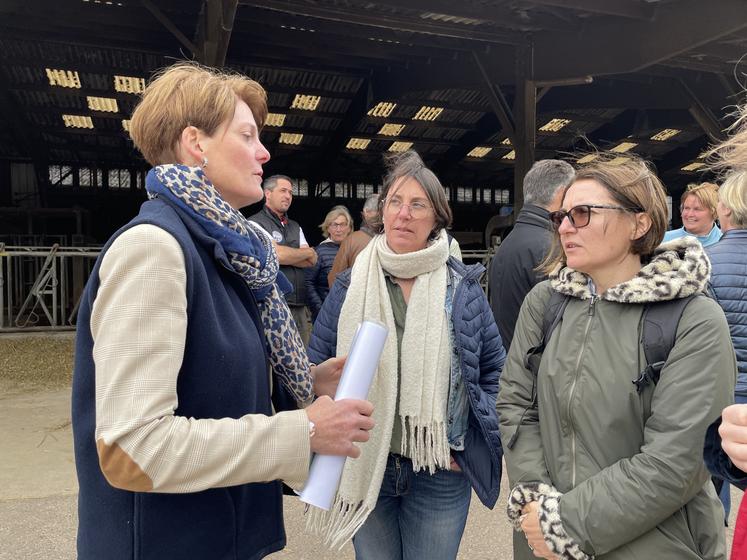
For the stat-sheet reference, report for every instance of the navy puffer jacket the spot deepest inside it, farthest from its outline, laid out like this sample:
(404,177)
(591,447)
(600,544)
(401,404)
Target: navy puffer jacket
(729,286)
(481,357)
(317,286)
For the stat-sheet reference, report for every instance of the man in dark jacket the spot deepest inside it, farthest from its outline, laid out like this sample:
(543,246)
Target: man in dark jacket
(294,252)
(512,270)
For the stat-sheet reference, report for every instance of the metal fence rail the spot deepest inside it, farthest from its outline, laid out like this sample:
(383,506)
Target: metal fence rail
(483,256)
(40,287)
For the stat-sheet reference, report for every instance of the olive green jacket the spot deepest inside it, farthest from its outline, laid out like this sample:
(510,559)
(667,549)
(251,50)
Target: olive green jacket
(618,474)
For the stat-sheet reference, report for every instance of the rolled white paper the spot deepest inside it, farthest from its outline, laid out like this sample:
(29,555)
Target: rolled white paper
(357,375)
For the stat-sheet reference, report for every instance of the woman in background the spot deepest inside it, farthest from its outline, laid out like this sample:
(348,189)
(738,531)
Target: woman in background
(726,441)
(698,211)
(729,281)
(337,225)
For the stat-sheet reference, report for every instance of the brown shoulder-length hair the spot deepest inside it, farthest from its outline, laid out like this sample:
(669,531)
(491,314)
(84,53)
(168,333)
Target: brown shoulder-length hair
(187,94)
(631,184)
(409,164)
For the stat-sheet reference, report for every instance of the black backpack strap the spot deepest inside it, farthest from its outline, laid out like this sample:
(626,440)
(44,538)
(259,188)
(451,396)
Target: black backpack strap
(553,314)
(660,322)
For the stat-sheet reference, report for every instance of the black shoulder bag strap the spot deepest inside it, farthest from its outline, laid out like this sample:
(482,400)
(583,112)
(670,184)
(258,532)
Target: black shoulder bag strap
(660,322)
(552,316)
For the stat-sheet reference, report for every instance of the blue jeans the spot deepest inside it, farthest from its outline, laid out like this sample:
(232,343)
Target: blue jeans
(417,515)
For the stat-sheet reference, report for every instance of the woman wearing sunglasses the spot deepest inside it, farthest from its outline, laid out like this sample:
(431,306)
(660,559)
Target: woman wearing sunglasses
(598,468)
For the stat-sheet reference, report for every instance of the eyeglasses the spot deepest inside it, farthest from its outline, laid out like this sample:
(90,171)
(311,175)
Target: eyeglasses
(417,209)
(580,215)
(333,225)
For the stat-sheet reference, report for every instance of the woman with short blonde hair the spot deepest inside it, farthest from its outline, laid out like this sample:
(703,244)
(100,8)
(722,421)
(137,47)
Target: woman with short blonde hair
(336,227)
(698,211)
(186,346)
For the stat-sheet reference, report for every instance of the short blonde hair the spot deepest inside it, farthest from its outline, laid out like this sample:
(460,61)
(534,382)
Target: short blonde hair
(187,94)
(707,195)
(332,215)
(632,184)
(733,195)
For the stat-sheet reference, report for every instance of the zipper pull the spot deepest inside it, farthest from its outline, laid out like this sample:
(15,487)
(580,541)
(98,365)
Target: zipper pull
(591,304)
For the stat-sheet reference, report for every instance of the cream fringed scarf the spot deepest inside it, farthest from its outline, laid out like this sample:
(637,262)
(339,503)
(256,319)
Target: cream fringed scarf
(425,365)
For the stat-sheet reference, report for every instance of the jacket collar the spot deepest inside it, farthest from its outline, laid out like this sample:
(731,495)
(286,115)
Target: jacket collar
(677,269)
(534,215)
(734,233)
(279,220)
(198,233)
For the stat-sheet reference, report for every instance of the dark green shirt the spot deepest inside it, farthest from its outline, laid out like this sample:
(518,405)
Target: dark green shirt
(399,310)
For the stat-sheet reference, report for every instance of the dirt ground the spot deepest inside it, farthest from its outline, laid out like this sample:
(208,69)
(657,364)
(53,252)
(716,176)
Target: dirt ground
(38,488)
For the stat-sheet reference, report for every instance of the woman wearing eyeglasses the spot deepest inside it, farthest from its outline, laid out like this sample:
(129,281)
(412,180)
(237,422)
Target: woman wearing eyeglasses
(698,211)
(337,225)
(601,467)
(407,495)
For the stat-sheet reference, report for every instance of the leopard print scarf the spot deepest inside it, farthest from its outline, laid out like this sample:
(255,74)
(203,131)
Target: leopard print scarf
(253,257)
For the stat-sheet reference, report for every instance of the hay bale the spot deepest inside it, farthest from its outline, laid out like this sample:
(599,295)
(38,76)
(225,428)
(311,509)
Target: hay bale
(37,360)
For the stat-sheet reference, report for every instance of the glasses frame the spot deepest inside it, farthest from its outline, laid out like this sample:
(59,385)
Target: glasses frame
(427,207)
(557,217)
(338,226)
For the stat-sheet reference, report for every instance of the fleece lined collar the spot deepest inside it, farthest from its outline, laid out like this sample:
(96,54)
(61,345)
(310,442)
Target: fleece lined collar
(677,269)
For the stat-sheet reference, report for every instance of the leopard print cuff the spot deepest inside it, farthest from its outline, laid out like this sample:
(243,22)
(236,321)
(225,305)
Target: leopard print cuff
(548,498)
(523,494)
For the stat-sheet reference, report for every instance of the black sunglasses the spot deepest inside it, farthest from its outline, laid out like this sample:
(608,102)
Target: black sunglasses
(580,215)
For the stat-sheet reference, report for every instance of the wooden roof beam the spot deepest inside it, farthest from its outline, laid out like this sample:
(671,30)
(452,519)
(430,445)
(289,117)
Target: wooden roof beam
(214,31)
(636,45)
(357,16)
(497,100)
(703,115)
(167,23)
(619,8)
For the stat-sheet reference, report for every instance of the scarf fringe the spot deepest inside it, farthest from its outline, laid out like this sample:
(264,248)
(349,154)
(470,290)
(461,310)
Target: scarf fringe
(427,446)
(338,525)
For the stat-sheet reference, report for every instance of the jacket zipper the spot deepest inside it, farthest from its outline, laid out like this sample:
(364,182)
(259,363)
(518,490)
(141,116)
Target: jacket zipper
(590,316)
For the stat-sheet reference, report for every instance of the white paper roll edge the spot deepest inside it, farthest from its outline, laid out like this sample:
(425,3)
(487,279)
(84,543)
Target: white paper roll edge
(357,376)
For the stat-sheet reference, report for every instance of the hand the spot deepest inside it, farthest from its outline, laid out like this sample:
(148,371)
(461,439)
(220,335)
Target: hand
(327,376)
(733,431)
(454,466)
(533,532)
(339,424)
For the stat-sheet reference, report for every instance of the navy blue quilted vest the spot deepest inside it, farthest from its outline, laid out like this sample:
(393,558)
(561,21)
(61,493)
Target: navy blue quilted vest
(224,374)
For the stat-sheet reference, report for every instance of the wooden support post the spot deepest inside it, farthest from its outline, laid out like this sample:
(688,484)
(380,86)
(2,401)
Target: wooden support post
(525,117)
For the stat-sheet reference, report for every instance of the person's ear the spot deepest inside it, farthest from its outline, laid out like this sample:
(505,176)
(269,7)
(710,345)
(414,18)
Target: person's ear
(189,146)
(642,225)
